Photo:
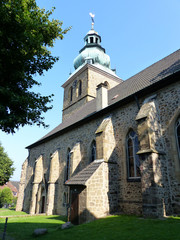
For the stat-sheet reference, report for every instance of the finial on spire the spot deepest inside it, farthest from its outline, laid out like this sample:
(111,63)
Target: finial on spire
(92,18)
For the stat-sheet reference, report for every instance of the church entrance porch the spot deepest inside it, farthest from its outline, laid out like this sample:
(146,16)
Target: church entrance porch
(89,198)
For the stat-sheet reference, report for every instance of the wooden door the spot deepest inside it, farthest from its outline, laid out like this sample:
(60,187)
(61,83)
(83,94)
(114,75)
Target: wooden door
(74,218)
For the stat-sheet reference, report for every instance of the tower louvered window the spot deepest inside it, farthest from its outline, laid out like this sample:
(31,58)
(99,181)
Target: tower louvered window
(80,88)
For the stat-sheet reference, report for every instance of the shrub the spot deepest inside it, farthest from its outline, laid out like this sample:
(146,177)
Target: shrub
(6,196)
(14,201)
(0,198)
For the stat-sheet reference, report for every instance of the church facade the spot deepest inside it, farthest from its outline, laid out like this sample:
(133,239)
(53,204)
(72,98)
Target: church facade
(117,149)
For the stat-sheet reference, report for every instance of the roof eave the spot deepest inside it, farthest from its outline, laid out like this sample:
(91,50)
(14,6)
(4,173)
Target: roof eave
(161,83)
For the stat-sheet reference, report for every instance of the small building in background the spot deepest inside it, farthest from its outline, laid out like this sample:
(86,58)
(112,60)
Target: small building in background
(13,185)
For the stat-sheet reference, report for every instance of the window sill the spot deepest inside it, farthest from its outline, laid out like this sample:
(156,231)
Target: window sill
(134,179)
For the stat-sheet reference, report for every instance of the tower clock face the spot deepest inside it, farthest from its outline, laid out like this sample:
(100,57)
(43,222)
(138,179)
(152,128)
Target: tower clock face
(75,83)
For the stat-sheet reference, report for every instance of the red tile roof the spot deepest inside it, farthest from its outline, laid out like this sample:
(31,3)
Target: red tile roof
(11,186)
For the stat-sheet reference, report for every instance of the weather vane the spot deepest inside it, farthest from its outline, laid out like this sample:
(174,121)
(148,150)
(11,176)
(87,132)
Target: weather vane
(92,18)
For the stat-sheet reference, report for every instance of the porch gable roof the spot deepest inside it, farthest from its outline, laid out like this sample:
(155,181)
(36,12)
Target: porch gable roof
(81,177)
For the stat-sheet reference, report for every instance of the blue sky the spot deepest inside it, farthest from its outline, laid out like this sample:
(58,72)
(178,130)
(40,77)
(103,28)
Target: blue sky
(135,35)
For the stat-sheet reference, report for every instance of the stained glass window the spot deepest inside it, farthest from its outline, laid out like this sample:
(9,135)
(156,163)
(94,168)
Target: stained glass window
(132,158)
(68,165)
(178,135)
(93,151)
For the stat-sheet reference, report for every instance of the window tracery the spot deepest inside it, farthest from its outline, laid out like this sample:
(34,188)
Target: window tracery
(178,135)
(67,173)
(93,151)
(132,147)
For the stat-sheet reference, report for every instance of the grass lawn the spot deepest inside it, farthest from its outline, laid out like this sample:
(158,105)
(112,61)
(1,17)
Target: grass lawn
(113,227)
(7,212)
(21,228)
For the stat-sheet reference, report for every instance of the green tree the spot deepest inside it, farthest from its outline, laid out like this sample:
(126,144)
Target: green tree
(0,198)
(14,201)
(27,33)
(6,168)
(6,196)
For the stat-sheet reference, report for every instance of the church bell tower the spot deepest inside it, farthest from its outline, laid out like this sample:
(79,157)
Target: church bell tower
(92,67)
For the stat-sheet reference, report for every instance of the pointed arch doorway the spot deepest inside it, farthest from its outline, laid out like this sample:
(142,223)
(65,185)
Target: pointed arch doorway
(43,201)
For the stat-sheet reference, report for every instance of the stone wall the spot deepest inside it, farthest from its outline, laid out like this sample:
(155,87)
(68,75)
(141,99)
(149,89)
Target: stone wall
(19,205)
(90,78)
(97,76)
(74,106)
(83,76)
(36,186)
(97,189)
(169,111)
(81,141)
(53,178)
(127,192)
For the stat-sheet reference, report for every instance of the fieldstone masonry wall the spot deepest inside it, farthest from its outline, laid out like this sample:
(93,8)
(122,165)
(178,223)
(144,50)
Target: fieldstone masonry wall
(169,105)
(20,199)
(158,191)
(96,77)
(83,75)
(74,106)
(53,177)
(97,189)
(37,180)
(77,157)
(90,78)
(155,185)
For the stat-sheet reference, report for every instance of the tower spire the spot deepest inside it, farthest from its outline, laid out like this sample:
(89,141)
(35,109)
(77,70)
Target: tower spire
(92,19)
(92,52)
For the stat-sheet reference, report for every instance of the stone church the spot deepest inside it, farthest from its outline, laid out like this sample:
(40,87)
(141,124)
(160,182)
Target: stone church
(117,149)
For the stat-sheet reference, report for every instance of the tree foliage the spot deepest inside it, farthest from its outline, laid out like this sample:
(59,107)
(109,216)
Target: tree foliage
(26,34)
(6,196)
(6,167)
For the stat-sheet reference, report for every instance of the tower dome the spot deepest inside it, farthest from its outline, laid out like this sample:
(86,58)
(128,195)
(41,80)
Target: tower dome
(92,52)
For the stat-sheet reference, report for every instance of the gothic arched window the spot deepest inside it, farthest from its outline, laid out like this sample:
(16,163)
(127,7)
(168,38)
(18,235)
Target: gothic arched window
(93,151)
(133,164)
(71,93)
(65,199)
(79,88)
(68,165)
(178,135)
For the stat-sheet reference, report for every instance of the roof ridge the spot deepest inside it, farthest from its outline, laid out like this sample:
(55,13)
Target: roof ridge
(155,73)
(161,60)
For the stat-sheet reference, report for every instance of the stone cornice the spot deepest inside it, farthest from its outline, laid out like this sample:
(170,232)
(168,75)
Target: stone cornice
(85,96)
(94,68)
